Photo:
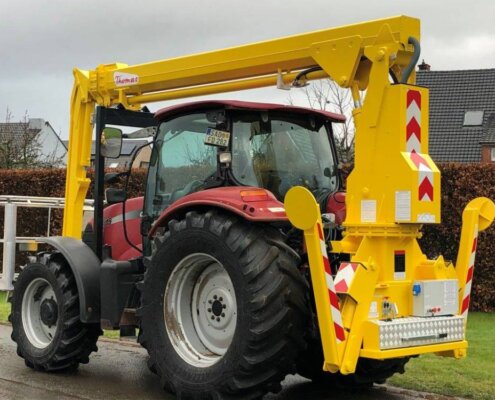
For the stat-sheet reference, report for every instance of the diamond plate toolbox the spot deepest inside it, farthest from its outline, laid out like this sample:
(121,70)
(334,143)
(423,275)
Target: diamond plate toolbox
(417,331)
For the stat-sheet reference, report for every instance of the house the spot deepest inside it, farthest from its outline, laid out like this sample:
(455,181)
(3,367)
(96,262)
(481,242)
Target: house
(31,143)
(462,114)
(129,148)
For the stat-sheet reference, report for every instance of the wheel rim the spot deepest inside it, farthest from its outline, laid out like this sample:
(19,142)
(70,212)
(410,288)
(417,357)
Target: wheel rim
(39,313)
(200,310)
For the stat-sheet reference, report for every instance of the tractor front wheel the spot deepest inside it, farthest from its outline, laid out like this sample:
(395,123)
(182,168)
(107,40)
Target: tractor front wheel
(223,308)
(45,318)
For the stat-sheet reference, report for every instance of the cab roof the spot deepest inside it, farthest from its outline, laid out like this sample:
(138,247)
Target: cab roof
(168,112)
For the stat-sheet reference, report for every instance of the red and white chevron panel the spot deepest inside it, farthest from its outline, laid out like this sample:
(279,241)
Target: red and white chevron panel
(413,122)
(332,294)
(344,277)
(469,278)
(425,184)
(413,145)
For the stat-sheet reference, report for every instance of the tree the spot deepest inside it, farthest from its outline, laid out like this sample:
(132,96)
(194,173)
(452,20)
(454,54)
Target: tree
(21,147)
(325,94)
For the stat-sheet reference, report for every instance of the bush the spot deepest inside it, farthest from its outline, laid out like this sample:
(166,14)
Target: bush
(460,184)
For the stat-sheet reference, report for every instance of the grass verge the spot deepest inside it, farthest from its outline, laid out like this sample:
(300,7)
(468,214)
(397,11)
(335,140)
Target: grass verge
(472,377)
(4,307)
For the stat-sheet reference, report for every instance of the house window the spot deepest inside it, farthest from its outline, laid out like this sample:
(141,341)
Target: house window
(473,118)
(492,154)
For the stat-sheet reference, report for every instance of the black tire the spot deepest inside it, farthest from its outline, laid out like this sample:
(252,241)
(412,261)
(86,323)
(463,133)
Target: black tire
(271,308)
(72,341)
(368,371)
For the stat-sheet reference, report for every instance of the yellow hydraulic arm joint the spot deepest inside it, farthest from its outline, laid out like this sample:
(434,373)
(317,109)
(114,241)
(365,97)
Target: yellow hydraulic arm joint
(340,52)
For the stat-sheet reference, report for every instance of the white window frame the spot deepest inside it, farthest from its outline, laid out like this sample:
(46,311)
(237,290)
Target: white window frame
(492,154)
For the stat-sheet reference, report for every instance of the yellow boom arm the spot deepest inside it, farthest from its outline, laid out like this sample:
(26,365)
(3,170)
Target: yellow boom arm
(346,54)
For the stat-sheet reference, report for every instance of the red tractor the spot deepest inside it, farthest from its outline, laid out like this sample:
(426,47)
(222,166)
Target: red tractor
(209,241)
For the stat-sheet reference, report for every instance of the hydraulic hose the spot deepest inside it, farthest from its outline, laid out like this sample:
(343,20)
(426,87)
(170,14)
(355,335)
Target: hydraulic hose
(301,74)
(414,59)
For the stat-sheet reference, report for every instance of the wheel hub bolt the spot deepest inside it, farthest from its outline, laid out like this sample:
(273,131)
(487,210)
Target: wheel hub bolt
(217,308)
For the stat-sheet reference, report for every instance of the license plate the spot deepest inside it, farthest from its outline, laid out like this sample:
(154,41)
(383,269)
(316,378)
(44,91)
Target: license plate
(214,137)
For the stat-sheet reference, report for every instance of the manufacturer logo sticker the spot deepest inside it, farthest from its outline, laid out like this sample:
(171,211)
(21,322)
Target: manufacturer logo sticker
(123,79)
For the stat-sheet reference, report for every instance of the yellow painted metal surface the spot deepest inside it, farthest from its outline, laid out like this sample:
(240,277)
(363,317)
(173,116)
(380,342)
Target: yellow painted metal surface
(338,51)
(393,189)
(412,351)
(308,219)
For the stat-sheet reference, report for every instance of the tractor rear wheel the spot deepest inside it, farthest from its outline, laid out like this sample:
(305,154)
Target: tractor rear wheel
(45,318)
(223,308)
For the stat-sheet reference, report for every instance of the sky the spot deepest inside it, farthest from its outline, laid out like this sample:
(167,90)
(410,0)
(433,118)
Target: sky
(41,41)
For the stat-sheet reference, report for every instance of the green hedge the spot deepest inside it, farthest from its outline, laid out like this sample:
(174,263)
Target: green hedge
(460,184)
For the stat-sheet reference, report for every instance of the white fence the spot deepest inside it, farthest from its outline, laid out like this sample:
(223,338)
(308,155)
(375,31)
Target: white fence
(10,238)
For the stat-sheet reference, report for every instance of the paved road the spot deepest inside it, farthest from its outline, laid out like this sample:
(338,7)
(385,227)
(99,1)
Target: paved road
(119,371)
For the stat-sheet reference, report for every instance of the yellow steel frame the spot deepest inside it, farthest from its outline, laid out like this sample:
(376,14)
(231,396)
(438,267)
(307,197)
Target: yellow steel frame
(384,212)
(393,188)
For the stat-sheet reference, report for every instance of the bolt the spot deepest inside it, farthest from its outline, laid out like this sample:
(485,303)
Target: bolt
(209,309)
(212,317)
(220,299)
(218,319)
(224,306)
(215,297)
(210,302)
(223,315)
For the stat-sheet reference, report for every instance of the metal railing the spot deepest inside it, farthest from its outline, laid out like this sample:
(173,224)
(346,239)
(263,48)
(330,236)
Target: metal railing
(10,240)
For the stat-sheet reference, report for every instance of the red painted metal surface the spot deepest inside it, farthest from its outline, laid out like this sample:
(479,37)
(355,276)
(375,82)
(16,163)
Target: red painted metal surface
(243,105)
(253,208)
(113,229)
(336,206)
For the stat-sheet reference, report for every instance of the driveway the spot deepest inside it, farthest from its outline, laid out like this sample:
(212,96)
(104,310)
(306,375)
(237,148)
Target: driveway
(118,371)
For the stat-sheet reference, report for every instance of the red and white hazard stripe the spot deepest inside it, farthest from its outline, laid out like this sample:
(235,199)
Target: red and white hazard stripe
(469,278)
(344,277)
(332,294)
(413,145)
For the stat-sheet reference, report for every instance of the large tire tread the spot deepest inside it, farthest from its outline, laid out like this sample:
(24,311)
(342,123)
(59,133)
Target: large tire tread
(278,310)
(76,340)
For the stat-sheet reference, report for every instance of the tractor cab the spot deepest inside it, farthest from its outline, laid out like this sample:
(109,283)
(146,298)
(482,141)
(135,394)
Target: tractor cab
(205,145)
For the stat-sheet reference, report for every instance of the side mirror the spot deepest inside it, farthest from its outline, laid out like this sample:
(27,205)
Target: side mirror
(113,177)
(115,196)
(111,142)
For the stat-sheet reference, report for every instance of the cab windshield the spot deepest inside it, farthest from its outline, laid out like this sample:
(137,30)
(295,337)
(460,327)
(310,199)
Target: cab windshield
(278,152)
